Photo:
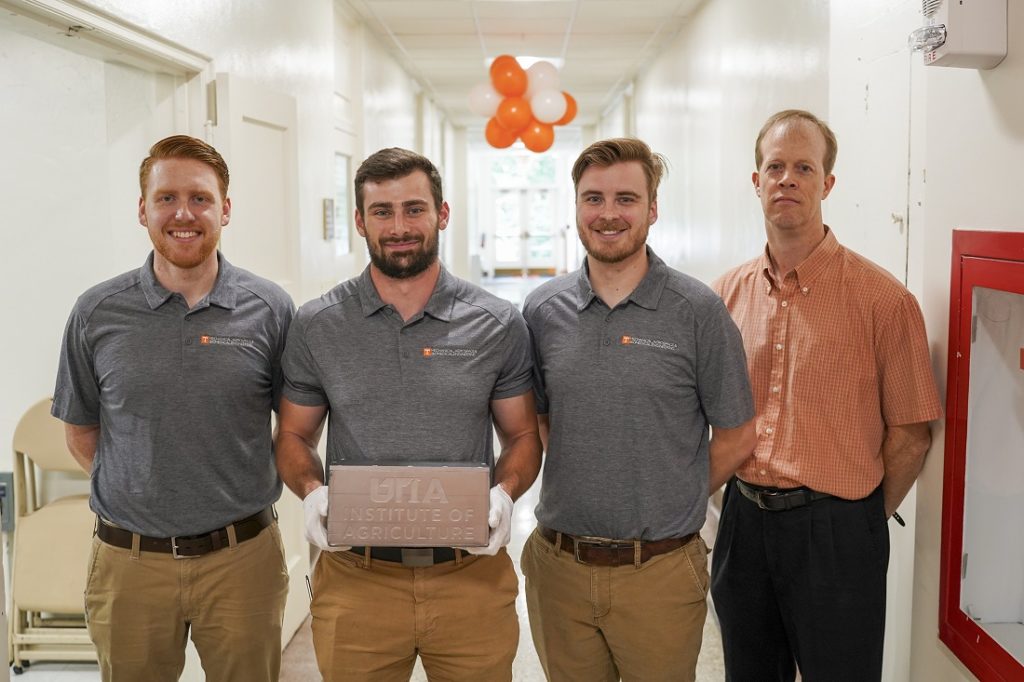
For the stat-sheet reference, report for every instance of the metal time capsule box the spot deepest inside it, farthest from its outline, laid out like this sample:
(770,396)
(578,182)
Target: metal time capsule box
(422,505)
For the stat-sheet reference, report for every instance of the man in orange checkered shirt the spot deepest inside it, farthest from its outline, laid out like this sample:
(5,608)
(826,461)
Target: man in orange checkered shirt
(844,391)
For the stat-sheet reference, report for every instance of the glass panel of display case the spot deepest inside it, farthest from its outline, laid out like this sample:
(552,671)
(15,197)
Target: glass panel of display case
(992,574)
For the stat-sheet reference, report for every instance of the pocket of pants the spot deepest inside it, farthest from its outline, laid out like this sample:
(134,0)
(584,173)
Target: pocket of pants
(877,525)
(696,553)
(89,574)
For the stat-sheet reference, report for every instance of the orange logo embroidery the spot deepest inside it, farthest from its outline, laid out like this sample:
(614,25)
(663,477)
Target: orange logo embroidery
(649,343)
(205,340)
(444,352)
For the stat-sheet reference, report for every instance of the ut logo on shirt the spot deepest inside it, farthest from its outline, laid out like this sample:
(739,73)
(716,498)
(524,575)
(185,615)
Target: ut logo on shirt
(207,340)
(650,343)
(439,352)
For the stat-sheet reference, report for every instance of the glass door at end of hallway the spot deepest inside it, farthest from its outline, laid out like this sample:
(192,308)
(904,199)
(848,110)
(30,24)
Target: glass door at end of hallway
(525,234)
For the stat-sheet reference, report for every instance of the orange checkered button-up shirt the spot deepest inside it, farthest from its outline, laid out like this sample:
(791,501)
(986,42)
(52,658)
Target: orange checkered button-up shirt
(837,350)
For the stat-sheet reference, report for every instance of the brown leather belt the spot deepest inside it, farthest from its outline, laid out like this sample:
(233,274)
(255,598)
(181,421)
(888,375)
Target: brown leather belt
(606,552)
(187,546)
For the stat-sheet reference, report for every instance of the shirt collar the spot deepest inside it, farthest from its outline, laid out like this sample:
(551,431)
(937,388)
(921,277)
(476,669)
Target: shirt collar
(812,267)
(646,294)
(223,294)
(442,301)
(439,305)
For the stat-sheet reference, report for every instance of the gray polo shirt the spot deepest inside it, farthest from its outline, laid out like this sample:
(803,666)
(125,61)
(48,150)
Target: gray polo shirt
(407,391)
(630,393)
(183,398)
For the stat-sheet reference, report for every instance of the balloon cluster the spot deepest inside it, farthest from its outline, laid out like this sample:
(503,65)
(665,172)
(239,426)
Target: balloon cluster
(523,104)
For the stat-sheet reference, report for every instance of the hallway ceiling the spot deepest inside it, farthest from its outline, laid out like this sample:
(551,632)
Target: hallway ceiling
(447,45)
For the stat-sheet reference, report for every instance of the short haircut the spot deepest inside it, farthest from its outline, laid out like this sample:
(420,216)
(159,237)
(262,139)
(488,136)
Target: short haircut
(185,147)
(393,163)
(831,146)
(622,150)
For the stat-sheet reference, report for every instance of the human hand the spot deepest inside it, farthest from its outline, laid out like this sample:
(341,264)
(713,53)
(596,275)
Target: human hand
(500,521)
(315,511)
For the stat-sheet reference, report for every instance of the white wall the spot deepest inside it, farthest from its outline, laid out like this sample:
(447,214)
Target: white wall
(701,104)
(69,185)
(277,46)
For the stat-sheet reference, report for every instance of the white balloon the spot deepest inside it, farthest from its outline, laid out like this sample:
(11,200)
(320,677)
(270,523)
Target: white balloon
(541,76)
(484,100)
(548,105)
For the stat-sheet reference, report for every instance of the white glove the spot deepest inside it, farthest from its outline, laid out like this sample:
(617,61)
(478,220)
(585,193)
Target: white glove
(500,521)
(315,508)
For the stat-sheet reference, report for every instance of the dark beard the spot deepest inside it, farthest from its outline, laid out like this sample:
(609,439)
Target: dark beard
(404,266)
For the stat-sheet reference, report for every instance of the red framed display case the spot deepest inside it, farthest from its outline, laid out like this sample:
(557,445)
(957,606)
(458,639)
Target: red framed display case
(981,599)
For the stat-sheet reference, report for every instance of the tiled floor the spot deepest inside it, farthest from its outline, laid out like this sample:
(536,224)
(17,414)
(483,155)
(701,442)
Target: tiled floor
(58,672)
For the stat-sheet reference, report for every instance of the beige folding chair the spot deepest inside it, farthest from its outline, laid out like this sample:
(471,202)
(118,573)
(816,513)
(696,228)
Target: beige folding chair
(52,541)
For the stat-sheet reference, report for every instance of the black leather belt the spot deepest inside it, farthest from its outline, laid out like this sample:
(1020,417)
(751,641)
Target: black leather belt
(410,556)
(187,546)
(607,552)
(776,499)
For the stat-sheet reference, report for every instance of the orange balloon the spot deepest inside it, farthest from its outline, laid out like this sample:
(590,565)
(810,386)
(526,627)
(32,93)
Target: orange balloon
(537,136)
(508,77)
(513,114)
(501,63)
(497,136)
(570,110)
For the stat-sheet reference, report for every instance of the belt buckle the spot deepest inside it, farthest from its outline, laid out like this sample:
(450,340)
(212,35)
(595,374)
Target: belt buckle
(174,550)
(591,541)
(786,497)
(417,557)
(763,495)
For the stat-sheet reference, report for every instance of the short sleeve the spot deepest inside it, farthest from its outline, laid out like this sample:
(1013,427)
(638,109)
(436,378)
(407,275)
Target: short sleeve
(284,316)
(723,383)
(516,375)
(302,383)
(76,395)
(539,391)
(906,380)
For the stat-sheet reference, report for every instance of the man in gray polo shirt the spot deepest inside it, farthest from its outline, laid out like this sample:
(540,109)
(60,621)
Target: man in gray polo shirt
(634,361)
(168,375)
(411,365)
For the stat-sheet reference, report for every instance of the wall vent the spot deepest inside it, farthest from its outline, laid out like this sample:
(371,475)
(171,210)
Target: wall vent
(930,7)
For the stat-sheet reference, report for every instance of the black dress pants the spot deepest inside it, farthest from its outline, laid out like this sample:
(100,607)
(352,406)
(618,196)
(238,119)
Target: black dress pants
(801,589)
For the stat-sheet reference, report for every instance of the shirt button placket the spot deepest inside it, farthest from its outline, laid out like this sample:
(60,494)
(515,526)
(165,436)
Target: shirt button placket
(774,404)
(187,337)
(403,353)
(606,337)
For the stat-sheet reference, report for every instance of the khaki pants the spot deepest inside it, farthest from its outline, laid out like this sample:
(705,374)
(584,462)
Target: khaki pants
(370,622)
(595,624)
(141,607)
